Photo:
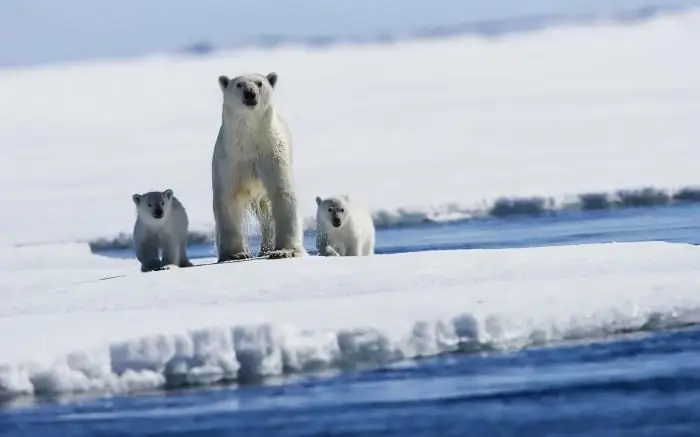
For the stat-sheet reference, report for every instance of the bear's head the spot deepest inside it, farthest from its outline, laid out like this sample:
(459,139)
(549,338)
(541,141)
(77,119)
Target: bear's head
(331,210)
(249,91)
(153,206)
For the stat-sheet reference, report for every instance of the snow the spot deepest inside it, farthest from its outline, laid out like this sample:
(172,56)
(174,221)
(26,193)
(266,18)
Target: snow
(240,322)
(457,121)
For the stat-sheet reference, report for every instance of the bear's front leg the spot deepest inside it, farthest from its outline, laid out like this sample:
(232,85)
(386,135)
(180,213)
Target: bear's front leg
(184,259)
(275,174)
(229,215)
(147,254)
(352,248)
(324,249)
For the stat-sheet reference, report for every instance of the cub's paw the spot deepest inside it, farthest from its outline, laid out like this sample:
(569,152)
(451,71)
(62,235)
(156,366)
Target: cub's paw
(234,257)
(329,251)
(153,267)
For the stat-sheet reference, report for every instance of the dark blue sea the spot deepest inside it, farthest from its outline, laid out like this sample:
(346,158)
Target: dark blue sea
(639,384)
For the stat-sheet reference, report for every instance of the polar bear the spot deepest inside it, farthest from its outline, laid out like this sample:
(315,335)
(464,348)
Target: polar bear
(343,227)
(252,171)
(161,224)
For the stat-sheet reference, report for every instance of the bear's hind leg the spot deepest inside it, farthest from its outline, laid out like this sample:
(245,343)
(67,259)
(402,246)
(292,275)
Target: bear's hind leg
(229,215)
(263,213)
(368,248)
(184,259)
(171,253)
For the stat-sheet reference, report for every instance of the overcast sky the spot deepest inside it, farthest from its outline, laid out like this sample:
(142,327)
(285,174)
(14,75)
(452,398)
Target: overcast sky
(52,30)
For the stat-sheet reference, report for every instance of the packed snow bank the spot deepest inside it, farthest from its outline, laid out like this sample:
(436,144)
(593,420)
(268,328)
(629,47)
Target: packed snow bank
(266,318)
(413,125)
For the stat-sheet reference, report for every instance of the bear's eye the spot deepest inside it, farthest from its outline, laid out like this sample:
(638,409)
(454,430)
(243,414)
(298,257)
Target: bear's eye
(238,85)
(162,203)
(259,84)
(330,209)
(341,210)
(150,205)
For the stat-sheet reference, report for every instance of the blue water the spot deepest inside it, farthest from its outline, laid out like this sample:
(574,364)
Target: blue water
(677,224)
(642,384)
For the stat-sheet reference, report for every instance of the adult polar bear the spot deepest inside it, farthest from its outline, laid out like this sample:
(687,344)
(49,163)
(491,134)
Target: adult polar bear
(252,171)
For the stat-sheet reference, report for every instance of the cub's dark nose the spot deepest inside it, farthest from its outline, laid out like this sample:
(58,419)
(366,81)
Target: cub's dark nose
(248,95)
(158,213)
(336,222)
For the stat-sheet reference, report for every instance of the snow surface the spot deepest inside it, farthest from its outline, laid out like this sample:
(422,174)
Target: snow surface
(413,129)
(66,332)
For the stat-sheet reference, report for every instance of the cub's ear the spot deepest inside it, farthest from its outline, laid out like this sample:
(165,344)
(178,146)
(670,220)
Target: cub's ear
(136,198)
(318,200)
(168,193)
(272,78)
(223,82)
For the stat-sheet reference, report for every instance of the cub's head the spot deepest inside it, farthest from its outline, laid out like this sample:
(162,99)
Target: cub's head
(331,210)
(249,91)
(154,205)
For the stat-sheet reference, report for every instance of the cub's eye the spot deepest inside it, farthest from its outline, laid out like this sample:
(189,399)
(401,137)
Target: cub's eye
(162,203)
(259,84)
(238,85)
(341,210)
(330,209)
(150,205)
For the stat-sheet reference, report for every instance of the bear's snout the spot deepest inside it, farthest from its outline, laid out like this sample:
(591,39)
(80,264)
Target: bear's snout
(158,213)
(250,97)
(336,222)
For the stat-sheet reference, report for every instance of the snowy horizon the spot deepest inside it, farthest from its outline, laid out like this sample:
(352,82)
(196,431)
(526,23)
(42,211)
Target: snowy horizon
(607,97)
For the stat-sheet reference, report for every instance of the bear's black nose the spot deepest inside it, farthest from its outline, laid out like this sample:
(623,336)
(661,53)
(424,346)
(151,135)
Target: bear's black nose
(248,95)
(158,213)
(336,222)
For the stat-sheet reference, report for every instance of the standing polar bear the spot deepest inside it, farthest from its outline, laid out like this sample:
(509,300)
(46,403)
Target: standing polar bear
(343,227)
(252,171)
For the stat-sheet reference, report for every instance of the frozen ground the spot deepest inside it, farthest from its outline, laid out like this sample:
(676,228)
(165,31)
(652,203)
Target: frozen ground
(66,332)
(428,129)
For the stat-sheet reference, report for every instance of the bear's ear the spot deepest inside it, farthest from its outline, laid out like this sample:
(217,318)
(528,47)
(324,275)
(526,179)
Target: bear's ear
(168,193)
(272,78)
(223,82)
(318,200)
(136,198)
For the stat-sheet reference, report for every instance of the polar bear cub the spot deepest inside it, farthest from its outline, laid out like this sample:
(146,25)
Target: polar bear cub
(343,227)
(161,225)
(252,172)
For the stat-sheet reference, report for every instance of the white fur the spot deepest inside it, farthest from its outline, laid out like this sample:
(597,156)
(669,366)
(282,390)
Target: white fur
(167,234)
(252,170)
(356,234)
